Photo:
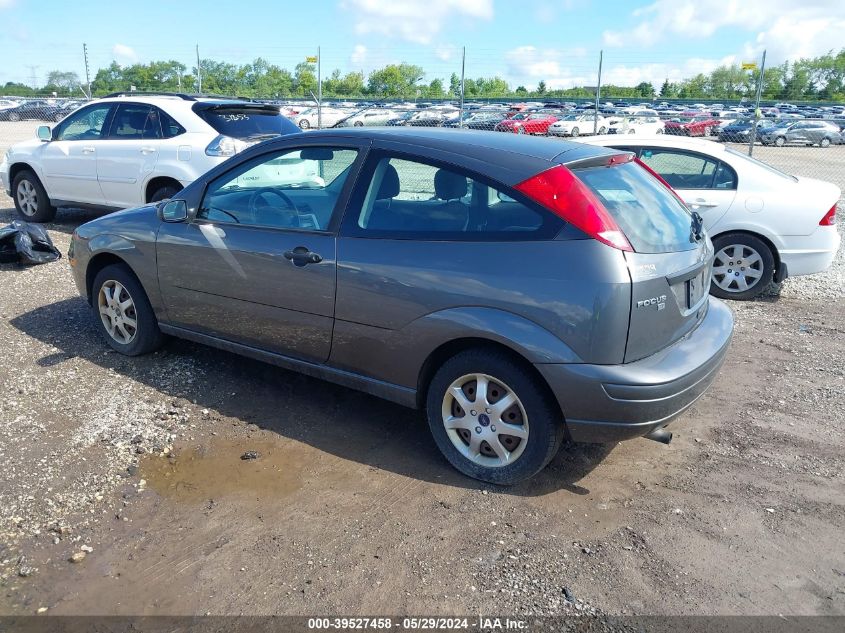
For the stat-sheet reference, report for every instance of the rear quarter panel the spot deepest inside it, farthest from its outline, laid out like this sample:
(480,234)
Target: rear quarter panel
(553,301)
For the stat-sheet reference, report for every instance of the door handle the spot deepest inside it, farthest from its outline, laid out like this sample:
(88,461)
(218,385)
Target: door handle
(88,150)
(148,150)
(701,202)
(301,256)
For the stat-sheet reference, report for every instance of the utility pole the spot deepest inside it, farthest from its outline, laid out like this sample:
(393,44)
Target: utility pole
(33,78)
(199,72)
(319,91)
(463,72)
(598,94)
(757,104)
(87,72)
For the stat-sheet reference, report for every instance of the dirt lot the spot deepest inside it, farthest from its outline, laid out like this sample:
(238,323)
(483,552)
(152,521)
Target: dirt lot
(349,509)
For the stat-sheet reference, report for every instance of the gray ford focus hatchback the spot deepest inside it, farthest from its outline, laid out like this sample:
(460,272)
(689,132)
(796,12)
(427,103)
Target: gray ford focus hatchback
(521,291)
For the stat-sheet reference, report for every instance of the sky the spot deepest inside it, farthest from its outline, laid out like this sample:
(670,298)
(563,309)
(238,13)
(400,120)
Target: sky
(556,41)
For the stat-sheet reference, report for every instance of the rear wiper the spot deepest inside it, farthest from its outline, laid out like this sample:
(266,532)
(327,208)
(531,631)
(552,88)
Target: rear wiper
(697,226)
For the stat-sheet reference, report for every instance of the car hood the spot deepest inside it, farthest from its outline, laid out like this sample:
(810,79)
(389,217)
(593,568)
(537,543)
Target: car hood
(25,147)
(119,221)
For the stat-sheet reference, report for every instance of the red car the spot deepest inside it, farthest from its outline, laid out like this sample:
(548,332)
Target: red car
(691,124)
(527,123)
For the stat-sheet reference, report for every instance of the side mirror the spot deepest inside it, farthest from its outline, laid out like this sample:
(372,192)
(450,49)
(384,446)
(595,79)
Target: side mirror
(173,211)
(44,133)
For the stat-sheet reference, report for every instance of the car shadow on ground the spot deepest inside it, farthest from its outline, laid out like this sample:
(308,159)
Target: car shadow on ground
(334,419)
(66,220)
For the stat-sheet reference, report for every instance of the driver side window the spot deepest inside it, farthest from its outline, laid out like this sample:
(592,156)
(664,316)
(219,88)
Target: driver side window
(85,125)
(292,189)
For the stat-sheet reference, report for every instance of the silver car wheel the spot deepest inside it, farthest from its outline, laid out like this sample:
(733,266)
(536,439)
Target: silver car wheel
(117,312)
(737,267)
(27,198)
(485,420)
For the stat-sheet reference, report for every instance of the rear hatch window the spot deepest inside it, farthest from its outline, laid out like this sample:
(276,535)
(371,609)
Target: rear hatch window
(670,265)
(245,122)
(653,220)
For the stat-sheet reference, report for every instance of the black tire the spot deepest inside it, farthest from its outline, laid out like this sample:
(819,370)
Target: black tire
(767,268)
(825,142)
(304,124)
(14,116)
(546,427)
(44,211)
(358,124)
(148,336)
(575,131)
(165,192)
(780,141)
(58,117)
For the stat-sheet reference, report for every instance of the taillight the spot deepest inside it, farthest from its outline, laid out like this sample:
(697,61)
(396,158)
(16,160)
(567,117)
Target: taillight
(829,218)
(560,191)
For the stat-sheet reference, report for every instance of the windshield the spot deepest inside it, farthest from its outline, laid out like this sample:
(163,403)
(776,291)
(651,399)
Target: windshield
(760,163)
(244,123)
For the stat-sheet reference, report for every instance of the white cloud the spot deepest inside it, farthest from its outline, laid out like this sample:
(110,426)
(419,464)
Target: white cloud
(445,52)
(787,28)
(417,21)
(359,55)
(528,65)
(7,4)
(124,53)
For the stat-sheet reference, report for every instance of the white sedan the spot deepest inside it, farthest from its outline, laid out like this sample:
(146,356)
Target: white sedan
(578,125)
(765,224)
(643,125)
(328,117)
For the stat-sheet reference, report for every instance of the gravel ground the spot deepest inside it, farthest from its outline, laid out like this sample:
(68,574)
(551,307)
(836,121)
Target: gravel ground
(123,490)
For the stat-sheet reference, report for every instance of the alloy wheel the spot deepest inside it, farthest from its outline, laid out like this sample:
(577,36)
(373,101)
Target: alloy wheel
(737,268)
(117,312)
(485,420)
(27,198)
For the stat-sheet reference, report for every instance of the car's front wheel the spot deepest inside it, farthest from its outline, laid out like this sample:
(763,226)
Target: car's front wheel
(304,124)
(491,419)
(825,142)
(123,312)
(780,141)
(14,116)
(575,131)
(743,266)
(31,199)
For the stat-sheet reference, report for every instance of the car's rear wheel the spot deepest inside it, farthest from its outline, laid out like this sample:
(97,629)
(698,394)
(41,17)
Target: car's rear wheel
(575,131)
(358,124)
(491,419)
(780,141)
(14,116)
(304,124)
(743,266)
(602,130)
(825,142)
(123,312)
(659,131)
(31,199)
(632,131)
(58,117)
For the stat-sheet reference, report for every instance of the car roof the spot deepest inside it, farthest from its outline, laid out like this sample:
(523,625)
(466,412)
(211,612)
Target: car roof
(661,140)
(456,141)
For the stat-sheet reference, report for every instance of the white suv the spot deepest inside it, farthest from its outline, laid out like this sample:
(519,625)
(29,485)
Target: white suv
(130,149)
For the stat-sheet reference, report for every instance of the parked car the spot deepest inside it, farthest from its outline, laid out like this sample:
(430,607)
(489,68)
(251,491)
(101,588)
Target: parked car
(644,125)
(505,285)
(821,133)
(36,109)
(433,117)
(370,116)
(739,131)
(765,225)
(308,118)
(400,119)
(485,120)
(527,122)
(576,124)
(124,151)
(691,125)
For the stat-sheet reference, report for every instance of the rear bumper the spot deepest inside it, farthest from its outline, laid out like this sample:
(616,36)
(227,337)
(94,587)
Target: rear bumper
(814,253)
(610,403)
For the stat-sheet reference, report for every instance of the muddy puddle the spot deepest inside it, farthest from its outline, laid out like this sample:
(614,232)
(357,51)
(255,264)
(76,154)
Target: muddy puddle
(216,469)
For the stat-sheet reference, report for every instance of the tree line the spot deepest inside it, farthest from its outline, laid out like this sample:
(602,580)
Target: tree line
(818,78)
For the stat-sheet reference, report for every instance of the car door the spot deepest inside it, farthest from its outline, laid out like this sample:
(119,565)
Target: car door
(129,154)
(69,160)
(705,184)
(255,263)
(797,133)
